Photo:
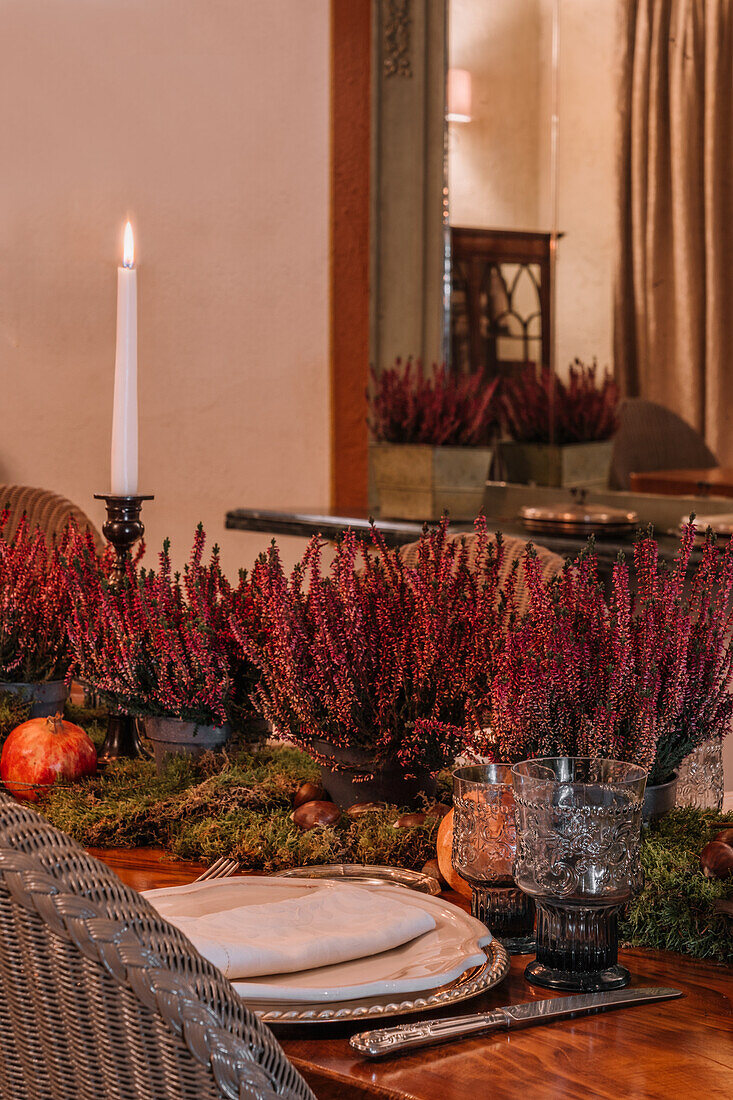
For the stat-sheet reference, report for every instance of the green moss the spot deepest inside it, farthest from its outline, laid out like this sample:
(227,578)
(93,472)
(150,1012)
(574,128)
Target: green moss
(239,804)
(14,709)
(91,719)
(676,910)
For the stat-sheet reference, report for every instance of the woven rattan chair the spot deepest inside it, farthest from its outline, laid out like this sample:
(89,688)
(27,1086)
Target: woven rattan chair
(650,437)
(513,549)
(101,999)
(44,509)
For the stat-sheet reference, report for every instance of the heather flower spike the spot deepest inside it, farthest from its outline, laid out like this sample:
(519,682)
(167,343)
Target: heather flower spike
(377,655)
(35,602)
(162,643)
(643,677)
(582,409)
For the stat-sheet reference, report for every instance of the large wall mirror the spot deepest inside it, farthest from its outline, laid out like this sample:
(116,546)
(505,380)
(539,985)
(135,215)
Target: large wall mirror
(473,172)
(531,108)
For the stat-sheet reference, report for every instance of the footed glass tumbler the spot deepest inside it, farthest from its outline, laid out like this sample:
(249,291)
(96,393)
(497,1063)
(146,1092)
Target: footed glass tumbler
(578,832)
(484,847)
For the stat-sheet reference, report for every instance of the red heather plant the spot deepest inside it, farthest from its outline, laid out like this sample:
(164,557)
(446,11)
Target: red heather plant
(377,656)
(583,409)
(442,409)
(159,644)
(642,678)
(34,604)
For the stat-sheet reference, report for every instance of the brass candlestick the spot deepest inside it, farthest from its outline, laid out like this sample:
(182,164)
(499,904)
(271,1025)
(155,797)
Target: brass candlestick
(122,528)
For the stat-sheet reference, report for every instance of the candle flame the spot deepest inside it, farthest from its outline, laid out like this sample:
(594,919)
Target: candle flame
(128,254)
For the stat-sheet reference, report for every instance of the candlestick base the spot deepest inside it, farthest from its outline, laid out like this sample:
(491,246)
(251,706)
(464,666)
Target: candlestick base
(122,740)
(122,528)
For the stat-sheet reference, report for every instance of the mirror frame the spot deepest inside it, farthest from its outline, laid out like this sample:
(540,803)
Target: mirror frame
(387,191)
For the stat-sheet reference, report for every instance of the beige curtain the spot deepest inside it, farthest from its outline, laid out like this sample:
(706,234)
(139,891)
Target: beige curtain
(674,283)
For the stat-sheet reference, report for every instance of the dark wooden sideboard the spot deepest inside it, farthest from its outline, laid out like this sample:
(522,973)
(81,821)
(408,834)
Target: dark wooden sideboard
(715,481)
(305,524)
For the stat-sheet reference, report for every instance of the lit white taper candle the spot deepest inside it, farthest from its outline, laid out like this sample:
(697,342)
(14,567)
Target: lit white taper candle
(124,416)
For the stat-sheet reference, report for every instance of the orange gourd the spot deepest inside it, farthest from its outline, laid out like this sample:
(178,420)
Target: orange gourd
(445,850)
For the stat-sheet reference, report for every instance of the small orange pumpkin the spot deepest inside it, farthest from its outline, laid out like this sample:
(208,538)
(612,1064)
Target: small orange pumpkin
(445,852)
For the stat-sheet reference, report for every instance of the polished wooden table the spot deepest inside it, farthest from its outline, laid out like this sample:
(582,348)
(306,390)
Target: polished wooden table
(716,481)
(681,1048)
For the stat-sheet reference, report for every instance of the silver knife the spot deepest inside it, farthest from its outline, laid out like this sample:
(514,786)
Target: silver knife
(395,1040)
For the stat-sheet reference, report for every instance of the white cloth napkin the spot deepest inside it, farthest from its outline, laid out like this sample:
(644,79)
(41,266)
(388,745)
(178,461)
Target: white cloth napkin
(326,925)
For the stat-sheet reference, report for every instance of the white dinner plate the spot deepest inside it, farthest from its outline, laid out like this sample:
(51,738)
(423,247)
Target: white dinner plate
(478,979)
(430,962)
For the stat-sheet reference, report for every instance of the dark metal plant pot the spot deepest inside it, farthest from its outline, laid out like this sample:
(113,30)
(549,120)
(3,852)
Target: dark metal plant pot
(659,800)
(355,778)
(250,731)
(174,737)
(46,697)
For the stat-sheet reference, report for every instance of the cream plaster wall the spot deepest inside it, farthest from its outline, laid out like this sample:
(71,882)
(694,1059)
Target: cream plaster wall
(499,162)
(586,179)
(207,124)
(495,160)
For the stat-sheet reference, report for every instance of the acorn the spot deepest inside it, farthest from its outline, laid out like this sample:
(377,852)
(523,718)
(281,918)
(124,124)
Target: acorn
(716,860)
(725,836)
(309,815)
(432,869)
(438,809)
(360,808)
(308,792)
(408,820)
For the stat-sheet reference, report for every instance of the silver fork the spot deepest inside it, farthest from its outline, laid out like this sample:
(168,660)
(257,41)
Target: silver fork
(220,868)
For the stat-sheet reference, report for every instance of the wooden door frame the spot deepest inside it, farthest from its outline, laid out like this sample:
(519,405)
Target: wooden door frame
(351,49)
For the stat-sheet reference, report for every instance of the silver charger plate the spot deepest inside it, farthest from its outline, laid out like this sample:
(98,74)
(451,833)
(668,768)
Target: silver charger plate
(469,984)
(367,874)
(454,960)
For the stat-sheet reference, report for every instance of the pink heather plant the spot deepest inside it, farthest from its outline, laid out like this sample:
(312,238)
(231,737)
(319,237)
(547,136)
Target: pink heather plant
(375,655)
(642,678)
(443,409)
(161,644)
(583,409)
(34,604)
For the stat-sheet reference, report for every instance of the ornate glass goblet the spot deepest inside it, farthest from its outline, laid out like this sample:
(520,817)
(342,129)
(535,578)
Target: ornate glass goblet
(484,847)
(578,832)
(700,777)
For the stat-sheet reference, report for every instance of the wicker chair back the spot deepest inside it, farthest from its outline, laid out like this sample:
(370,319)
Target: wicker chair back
(46,510)
(101,998)
(651,437)
(513,548)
